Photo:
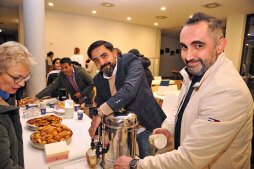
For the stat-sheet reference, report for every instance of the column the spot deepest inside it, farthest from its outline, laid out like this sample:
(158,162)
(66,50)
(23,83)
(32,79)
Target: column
(34,37)
(235,34)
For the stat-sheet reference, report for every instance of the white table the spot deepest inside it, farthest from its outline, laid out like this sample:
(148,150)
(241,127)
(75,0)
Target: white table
(167,100)
(161,96)
(81,140)
(158,96)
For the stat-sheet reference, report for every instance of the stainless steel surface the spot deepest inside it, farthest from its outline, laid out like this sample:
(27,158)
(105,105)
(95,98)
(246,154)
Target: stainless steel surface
(119,134)
(121,120)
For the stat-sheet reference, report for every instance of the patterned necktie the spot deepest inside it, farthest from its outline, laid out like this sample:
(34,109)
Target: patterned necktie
(75,87)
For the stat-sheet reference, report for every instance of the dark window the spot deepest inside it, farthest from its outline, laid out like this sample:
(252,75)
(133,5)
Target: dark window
(247,63)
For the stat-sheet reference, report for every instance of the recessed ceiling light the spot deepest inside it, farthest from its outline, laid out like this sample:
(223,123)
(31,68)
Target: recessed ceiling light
(94,12)
(107,4)
(248,34)
(51,4)
(156,24)
(0,30)
(161,17)
(247,44)
(128,18)
(212,5)
(163,8)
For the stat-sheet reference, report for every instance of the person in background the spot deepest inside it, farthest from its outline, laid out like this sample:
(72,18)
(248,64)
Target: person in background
(54,74)
(78,57)
(49,65)
(121,83)
(76,63)
(90,68)
(146,63)
(212,126)
(15,63)
(119,53)
(75,79)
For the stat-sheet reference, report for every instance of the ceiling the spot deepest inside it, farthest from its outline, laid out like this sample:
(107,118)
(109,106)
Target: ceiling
(142,12)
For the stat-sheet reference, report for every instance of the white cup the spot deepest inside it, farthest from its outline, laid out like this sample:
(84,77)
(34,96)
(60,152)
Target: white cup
(42,105)
(158,140)
(51,104)
(80,114)
(76,107)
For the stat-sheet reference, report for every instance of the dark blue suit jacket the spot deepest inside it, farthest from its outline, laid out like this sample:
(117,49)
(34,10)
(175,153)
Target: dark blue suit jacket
(133,92)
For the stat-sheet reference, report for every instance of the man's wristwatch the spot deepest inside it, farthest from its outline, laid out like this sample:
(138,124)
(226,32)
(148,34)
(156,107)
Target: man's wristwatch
(133,163)
(96,113)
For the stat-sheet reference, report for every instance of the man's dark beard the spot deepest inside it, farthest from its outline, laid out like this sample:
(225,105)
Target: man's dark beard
(200,73)
(108,71)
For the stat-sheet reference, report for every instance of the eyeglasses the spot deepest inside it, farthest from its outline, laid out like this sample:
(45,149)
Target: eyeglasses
(20,78)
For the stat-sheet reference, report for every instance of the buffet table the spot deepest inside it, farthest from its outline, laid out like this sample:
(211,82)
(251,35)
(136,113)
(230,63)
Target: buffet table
(35,158)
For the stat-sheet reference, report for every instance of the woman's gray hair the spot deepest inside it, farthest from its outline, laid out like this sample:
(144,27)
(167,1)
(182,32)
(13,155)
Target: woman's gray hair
(14,51)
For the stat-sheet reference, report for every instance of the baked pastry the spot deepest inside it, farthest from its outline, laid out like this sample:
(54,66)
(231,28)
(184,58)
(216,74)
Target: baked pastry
(27,100)
(44,120)
(61,104)
(51,134)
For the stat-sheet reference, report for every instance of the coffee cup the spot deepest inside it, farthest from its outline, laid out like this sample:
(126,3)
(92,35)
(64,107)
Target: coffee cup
(77,106)
(51,104)
(80,114)
(92,158)
(158,140)
(43,108)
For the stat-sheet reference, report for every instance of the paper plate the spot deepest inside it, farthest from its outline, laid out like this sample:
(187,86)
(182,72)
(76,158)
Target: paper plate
(42,146)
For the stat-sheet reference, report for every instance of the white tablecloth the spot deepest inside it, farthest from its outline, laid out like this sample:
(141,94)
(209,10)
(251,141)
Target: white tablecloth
(161,95)
(81,140)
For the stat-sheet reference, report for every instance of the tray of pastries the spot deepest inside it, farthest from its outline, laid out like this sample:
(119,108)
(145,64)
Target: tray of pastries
(27,100)
(50,134)
(34,123)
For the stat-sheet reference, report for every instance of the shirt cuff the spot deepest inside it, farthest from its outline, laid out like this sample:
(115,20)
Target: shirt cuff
(106,109)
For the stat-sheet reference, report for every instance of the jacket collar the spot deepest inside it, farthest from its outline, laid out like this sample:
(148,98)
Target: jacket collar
(4,106)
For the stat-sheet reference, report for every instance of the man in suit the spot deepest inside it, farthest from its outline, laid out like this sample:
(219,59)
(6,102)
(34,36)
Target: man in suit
(121,83)
(76,81)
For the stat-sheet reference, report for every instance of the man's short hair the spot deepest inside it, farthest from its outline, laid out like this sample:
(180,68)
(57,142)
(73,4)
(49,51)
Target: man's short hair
(119,52)
(65,60)
(98,43)
(75,63)
(215,25)
(76,50)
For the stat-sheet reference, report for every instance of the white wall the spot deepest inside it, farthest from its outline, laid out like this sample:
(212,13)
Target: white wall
(167,61)
(65,31)
(235,34)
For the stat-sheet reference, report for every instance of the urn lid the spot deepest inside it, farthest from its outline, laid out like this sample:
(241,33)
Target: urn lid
(125,119)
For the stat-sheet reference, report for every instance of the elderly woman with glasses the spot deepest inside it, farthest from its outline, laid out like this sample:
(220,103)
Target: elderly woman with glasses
(15,62)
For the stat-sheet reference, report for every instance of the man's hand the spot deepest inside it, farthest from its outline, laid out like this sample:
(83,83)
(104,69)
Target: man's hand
(122,162)
(162,131)
(94,125)
(77,95)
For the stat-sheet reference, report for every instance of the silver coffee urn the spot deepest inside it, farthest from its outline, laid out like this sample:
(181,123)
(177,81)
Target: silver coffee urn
(117,136)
